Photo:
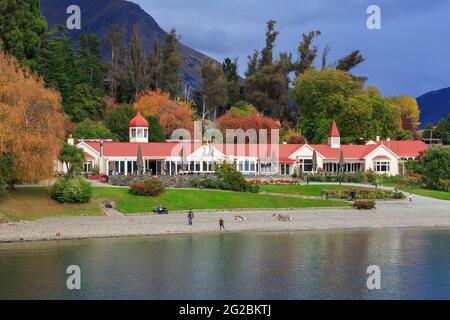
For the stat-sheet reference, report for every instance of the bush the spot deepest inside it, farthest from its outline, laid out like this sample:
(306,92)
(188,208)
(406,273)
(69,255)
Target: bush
(363,193)
(76,190)
(152,187)
(364,204)
(231,179)
(2,188)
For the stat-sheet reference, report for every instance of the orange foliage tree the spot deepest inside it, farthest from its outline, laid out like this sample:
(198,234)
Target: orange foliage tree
(31,124)
(253,120)
(172,114)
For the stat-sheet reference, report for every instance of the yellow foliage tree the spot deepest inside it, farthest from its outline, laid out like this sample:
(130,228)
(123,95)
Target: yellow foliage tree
(409,112)
(31,123)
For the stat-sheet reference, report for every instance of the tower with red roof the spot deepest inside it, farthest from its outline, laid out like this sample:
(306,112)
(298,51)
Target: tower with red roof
(334,138)
(138,127)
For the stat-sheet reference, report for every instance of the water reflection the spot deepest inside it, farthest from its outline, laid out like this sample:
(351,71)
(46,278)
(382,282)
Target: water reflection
(290,265)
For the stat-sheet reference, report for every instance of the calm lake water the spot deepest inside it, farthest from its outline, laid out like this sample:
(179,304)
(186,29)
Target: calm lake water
(292,265)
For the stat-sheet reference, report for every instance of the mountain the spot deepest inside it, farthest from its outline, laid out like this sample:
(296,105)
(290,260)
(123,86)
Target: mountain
(98,15)
(433,106)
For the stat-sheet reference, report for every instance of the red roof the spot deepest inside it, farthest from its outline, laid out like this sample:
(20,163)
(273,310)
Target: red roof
(350,151)
(138,121)
(405,149)
(333,132)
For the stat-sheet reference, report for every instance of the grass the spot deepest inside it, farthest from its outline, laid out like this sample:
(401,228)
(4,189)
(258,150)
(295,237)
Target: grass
(313,190)
(443,195)
(35,203)
(184,199)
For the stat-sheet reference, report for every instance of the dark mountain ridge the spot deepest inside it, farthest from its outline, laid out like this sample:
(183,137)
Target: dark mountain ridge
(98,15)
(434,105)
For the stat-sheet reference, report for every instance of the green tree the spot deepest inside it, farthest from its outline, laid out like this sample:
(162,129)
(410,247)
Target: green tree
(117,121)
(72,157)
(171,65)
(22,29)
(441,131)
(308,53)
(230,69)
(155,130)
(214,88)
(85,103)
(90,64)
(91,130)
(436,167)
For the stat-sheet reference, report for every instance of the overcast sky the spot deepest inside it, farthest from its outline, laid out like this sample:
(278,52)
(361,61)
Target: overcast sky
(408,56)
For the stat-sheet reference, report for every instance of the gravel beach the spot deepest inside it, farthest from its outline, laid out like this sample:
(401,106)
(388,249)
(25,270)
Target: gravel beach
(422,212)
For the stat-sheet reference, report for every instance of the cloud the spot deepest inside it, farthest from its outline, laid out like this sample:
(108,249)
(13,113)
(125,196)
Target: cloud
(408,56)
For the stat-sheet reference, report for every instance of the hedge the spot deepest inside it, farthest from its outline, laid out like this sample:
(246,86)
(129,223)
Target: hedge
(75,190)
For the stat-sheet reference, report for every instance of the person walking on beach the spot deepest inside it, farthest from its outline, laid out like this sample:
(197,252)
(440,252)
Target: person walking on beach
(410,198)
(190,217)
(221,224)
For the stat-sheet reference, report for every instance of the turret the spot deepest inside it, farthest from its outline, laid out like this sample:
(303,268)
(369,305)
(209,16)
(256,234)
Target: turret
(138,128)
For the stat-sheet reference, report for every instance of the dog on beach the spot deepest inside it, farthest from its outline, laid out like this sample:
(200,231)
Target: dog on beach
(240,218)
(281,217)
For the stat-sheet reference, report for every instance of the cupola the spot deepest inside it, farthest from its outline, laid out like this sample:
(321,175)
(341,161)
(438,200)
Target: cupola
(334,138)
(138,128)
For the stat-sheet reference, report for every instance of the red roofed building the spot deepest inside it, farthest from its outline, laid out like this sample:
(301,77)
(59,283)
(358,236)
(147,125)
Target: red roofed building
(173,157)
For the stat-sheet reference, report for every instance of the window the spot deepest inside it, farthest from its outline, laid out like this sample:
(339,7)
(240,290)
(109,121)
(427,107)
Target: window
(382,166)
(307,165)
(87,166)
(133,133)
(252,166)
(139,133)
(145,133)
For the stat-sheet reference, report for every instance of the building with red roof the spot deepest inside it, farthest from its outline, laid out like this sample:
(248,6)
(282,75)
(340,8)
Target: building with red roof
(173,157)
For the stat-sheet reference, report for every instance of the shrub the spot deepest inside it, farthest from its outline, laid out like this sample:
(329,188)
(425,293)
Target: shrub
(231,179)
(152,187)
(2,188)
(363,193)
(364,204)
(75,190)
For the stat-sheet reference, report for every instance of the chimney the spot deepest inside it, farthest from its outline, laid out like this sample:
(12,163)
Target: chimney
(71,141)
(378,138)
(101,149)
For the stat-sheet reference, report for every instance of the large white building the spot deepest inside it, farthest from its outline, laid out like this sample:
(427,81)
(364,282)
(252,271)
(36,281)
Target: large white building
(171,158)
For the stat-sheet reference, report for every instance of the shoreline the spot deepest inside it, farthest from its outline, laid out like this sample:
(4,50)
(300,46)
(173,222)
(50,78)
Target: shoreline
(423,213)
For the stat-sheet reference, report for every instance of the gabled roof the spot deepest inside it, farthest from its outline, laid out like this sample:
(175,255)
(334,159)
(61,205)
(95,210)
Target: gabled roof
(405,148)
(333,132)
(350,151)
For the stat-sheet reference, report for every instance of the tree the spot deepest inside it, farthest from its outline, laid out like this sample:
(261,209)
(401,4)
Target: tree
(350,61)
(436,167)
(85,103)
(308,54)
(409,112)
(137,62)
(117,121)
(155,130)
(90,65)
(267,82)
(72,157)
(172,114)
(214,88)
(170,65)
(31,129)
(115,40)
(441,131)
(22,29)
(91,130)
(233,88)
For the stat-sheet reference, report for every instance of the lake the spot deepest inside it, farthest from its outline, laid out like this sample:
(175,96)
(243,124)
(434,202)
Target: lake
(414,264)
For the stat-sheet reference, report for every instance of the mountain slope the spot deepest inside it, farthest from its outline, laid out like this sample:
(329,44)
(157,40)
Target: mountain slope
(98,15)
(433,106)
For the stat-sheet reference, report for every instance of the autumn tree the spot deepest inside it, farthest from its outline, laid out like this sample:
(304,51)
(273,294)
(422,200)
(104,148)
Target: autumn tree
(214,88)
(409,112)
(171,113)
(31,123)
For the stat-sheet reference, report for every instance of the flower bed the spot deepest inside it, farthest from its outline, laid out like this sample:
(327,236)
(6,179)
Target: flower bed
(363,193)
(275,181)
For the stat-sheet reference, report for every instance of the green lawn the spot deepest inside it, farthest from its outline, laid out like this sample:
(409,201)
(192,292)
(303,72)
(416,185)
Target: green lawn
(180,199)
(35,203)
(313,190)
(443,195)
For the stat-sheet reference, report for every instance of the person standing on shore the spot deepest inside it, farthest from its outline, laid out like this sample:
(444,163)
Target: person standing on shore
(190,217)
(410,198)
(221,224)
